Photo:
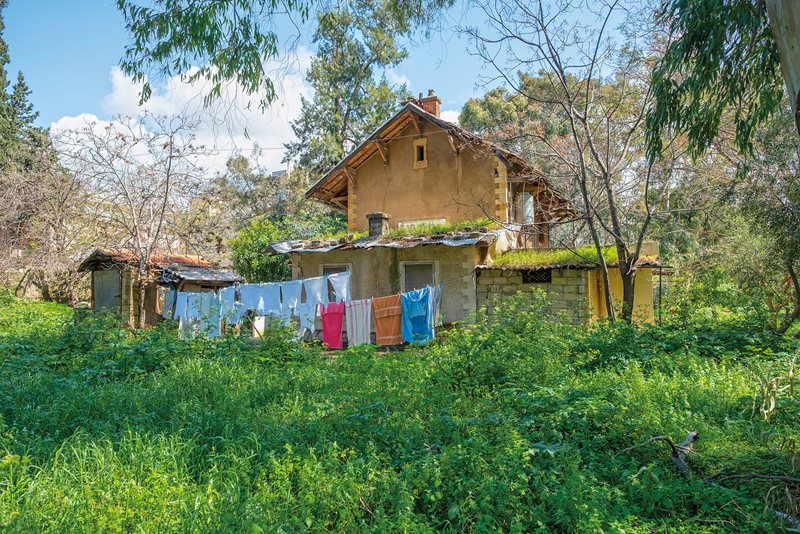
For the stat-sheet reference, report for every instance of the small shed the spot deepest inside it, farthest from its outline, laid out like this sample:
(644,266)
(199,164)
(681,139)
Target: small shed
(115,280)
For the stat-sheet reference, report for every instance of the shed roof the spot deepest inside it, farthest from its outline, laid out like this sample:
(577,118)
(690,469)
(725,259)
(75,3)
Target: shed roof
(176,273)
(332,187)
(103,259)
(562,258)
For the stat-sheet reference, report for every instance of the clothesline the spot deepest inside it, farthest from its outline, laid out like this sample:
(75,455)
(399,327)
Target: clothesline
(409,316)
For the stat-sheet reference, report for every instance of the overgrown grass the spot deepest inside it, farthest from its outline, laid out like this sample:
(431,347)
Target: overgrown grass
(430,229)
(534,257)
(512,424)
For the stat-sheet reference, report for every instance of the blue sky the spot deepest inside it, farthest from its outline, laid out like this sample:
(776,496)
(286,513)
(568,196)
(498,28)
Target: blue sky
(67,49)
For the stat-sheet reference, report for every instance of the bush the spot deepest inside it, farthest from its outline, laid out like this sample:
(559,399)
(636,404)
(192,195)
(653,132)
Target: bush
(514,423)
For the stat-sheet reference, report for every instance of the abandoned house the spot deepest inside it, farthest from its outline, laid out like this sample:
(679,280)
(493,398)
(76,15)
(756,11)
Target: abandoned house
(410,190)
(115,281)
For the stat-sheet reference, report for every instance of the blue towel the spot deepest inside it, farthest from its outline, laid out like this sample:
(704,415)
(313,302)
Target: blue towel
(417,316)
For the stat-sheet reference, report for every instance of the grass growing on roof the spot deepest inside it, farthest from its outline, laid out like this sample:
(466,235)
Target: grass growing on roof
(427,229)
(560,256)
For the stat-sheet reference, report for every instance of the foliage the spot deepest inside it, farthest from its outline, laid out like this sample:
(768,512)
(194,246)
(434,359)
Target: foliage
(512,424)
(230,40)
(249,249)
(349,100)
(722,65)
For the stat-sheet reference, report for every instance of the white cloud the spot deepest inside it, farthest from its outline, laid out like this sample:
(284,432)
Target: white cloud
(450,115)
(398,79)
(233,123)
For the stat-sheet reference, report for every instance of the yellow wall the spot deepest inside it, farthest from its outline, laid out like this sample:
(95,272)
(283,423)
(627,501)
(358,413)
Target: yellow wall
(452,188)
(642,299)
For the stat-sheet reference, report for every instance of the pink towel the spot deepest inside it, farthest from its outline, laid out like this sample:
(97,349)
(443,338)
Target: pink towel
(332,317)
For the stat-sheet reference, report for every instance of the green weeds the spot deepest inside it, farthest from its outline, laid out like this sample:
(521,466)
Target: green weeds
(511,424)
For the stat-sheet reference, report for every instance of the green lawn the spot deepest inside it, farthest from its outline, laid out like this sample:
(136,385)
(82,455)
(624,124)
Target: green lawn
(510,425)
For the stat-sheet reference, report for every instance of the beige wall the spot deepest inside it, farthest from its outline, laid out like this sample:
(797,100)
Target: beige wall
(376,272)
(566,292)
(450,187)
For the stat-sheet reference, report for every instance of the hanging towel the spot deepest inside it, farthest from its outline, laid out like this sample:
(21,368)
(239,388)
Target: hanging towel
(249,297)
(291,292)
(417,316)
(388,324)
(181,306)
(359,320)
(209,313)
(308,317)
(332,318)
(341,285)
(227,304)
(316,290)
(270,303)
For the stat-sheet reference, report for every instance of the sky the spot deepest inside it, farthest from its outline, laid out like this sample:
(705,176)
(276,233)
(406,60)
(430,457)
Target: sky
(69,51)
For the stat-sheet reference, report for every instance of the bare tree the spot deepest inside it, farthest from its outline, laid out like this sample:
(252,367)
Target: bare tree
(601,91)
(140,175)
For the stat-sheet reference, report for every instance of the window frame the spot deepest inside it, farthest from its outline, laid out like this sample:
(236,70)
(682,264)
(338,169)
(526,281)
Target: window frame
(434,263)
(417,143)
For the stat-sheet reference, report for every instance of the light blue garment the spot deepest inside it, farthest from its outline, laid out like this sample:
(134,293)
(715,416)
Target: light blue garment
(181,306)
(270,301)
(249,297)
(308,317)
(290,295)
(316,290)
(417,316)
(227,304)
(341,285)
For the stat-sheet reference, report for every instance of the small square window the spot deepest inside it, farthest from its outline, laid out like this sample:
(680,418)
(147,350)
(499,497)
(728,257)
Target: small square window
(531,276)
(420,153)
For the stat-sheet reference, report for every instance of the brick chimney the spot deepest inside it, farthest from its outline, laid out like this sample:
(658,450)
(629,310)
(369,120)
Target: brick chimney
(378,224)
(430,103)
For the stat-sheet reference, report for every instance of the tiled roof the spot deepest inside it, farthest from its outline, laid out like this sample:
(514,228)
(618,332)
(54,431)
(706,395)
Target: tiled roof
(177,273)
(109,258)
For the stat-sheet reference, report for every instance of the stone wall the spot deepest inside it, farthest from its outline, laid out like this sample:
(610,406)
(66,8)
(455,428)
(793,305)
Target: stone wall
(566,291)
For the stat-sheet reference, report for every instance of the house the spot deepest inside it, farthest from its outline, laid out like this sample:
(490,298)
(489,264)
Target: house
(428,202)
(115,280)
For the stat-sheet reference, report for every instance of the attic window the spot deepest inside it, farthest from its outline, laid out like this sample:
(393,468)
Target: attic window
(421,153)
(536,276)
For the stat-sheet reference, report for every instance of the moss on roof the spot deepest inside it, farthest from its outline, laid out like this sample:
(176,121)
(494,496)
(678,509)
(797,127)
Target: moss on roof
(429,229)
(554,256)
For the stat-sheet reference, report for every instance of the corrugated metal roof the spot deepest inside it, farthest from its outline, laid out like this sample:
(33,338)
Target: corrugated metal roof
(452,239)
(177,273)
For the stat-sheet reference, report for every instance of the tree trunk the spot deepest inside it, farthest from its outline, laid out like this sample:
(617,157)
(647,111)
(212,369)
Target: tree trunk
(144,276)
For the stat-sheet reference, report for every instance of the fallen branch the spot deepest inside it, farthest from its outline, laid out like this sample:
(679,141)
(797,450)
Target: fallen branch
(679,452)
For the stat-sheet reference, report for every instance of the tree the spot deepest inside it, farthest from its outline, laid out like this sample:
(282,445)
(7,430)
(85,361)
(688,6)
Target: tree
(722,63)
(349,102)
(600,93)
(225,41)
(140,174)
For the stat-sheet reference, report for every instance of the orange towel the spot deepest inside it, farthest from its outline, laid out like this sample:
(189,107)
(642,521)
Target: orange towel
(388,325)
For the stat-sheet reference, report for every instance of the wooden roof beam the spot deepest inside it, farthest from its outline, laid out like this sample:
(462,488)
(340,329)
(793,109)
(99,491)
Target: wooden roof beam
(417,123)
(383,150)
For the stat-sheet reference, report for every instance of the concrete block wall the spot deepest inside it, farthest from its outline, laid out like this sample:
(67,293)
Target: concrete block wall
(566,292)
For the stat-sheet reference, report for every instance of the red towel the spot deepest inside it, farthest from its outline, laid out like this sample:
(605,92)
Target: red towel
(332,318)
(388,313)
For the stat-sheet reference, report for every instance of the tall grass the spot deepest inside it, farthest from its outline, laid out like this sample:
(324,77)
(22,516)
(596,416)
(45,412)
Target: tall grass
(510,424)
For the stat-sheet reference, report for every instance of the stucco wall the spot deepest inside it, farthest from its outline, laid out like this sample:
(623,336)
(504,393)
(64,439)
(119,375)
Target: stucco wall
(452,188)
(566,292)
(376,272)
(642,298)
